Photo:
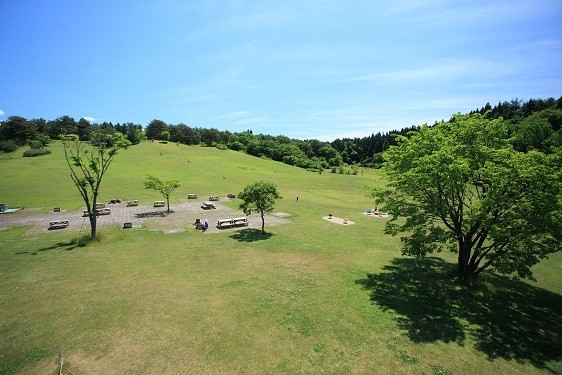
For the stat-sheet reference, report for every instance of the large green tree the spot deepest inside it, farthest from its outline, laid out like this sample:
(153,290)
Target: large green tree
(460,186)
(259,196)
(17,129)
(165,187)
(88,165)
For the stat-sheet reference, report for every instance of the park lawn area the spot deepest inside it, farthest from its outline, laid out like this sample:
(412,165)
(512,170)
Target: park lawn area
(307,297)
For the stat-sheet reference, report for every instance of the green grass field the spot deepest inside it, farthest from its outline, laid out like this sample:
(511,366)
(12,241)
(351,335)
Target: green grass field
(307,297)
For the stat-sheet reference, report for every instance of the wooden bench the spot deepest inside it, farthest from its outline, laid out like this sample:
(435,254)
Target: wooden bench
(60,224)
(56,209)
(114,201)
(231,196)
(223,223)
(191,196)
(214,198)
(159,204)
(103,211)
(98,211)
(207,205)
(127,225)
(100,205)
(237,221)
(132,203)
(240,221)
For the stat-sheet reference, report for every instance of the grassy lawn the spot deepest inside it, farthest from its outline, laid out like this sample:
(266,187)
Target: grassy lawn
(309,296)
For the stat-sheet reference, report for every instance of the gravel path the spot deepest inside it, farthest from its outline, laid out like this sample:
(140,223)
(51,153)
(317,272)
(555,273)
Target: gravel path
(182,217)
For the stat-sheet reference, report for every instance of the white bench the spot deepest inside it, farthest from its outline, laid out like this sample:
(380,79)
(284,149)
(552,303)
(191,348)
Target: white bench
(191,196)
(214,198)
(159,204)
(60,224)
(103,211)
(237,221)
(132,203)
(98,211)
(222,223)
(100,205)
(207,205)
(240,221)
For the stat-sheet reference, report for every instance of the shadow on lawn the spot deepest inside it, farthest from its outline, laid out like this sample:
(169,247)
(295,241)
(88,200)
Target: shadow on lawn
(507,319)
(250,235)
(69,245)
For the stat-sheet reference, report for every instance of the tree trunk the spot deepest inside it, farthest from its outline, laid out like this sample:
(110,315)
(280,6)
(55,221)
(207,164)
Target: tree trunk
(262,223)
(465,272)
(93,225)
(168,201)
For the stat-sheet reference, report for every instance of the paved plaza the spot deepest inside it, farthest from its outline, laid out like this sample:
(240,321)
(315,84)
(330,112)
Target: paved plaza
(182,217)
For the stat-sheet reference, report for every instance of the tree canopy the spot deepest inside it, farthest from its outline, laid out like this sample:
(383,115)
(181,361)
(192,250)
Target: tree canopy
(88,165)
(165,187)
(259,196)
(460,186)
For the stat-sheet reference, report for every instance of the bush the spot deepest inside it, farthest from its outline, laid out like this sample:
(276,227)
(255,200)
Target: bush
(35,144)
(8,146)
(236,146)
(221,146)
(35,152)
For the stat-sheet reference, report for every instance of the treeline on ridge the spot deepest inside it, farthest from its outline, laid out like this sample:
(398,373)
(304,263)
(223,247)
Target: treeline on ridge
(534,124)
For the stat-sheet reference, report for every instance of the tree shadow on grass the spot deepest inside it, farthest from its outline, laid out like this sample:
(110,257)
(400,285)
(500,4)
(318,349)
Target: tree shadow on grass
(68,245)
(251,235)
(506,318)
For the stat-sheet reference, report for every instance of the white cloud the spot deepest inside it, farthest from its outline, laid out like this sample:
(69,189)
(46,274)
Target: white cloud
(251,120)
(447,70)
(2,113)
(89,119)
(233,115)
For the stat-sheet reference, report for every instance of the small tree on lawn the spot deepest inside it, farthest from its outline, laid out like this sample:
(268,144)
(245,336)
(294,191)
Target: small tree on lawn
(165,187)
(88,165)
(259,196)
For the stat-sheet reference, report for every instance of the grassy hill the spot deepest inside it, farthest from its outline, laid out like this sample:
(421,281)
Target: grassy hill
(310,296)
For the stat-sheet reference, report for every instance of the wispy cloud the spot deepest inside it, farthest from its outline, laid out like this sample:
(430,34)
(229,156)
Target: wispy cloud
(2,113)
(251,120)
(232,115)
(445,70)
(89,119)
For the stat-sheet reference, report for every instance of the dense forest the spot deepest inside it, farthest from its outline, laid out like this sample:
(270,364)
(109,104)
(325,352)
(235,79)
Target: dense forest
(533,124)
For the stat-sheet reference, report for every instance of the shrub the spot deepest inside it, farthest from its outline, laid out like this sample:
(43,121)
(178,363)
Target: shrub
(221,146)
(8,146)
(35,144)
(35,152)
(236,146)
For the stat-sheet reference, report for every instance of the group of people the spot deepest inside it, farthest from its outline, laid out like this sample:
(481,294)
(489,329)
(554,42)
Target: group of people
(202,226)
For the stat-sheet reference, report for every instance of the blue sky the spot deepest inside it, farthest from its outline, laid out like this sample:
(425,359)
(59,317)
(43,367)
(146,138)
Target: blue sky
(305,69)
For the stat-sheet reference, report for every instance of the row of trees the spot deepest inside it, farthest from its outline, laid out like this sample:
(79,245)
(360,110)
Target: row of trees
(532,125)
(308,154)
(20,130)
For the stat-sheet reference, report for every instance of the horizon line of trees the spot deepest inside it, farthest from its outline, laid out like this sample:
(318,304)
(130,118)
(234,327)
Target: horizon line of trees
(533,124)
